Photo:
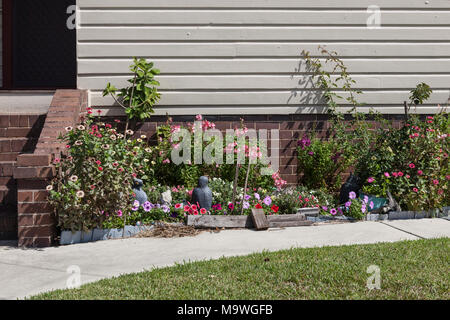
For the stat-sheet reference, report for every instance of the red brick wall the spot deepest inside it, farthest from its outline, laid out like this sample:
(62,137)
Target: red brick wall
(291,129)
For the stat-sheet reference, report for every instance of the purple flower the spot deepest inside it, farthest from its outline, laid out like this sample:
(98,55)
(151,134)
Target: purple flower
(325,208)
(165,208)
(246,205)
(147,206)
(304,143)
(352,195)
(257,196)
(247,197)
(366,199)
(363,208)
(333,212)
(267,201)
(348,204)
(371,205)
(311,153)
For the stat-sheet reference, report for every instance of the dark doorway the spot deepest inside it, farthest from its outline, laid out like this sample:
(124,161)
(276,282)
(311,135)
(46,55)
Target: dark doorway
(40,47)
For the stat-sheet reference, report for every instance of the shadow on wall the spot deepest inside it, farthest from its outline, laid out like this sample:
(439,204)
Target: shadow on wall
(308,96)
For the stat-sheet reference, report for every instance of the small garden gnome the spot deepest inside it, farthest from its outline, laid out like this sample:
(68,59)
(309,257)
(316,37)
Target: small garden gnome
(202,194)
(141,196)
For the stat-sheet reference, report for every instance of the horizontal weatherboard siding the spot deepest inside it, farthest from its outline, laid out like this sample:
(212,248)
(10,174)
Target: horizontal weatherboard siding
(244,56)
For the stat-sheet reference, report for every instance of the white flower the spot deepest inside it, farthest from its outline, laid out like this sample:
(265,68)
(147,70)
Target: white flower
(81,127)
(78,143)
(49,188)
(113,137)
(69,129)
(73,178)
(143,136)
(130,132)
(80,194)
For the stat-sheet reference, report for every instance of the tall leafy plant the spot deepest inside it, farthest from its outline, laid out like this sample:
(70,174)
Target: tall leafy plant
(141,95)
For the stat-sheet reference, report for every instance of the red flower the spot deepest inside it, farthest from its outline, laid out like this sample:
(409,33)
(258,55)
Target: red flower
(231,206)
(203,211)
(100,169)
(258,206)
(194,207)
(275,208)
(412,165)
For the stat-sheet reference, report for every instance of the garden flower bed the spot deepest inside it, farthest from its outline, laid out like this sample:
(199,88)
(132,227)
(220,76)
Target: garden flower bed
(95,189)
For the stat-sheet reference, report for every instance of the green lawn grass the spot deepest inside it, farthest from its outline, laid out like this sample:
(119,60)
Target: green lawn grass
(409,270)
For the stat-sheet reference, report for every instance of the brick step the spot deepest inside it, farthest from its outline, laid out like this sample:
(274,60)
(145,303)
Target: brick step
(11,145)
(6,168)
(8,195)
(9,156)
(8,223)
(21,121)
(19,132)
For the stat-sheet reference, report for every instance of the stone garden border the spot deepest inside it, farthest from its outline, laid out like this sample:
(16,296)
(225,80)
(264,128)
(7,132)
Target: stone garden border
(69,237)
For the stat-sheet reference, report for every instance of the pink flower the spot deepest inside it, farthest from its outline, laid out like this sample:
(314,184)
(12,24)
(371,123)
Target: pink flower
(166,161)
(178,206)
(412,165)
(203,211)
(435,182)
(199,117)
(415,190)
(395,174)
(98,162)
(119,213)
(400,174)
(387,175)
(370,180)
(440,191)
(420,172)
(408,176)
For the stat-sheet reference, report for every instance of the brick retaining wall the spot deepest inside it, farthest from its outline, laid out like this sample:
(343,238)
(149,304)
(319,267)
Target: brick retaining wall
(36,219)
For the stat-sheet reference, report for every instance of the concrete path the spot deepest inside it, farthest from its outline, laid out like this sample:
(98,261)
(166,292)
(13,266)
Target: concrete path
(24,272)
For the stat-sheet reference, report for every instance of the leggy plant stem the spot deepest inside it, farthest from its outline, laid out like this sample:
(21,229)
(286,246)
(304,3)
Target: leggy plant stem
(131,104)
(245,186)
(236,175)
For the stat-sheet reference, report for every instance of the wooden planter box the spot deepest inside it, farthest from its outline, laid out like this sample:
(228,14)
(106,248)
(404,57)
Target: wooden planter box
(275,221)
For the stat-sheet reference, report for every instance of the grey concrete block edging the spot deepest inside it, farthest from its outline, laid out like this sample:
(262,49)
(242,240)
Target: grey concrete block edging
(408,215)
(69,237)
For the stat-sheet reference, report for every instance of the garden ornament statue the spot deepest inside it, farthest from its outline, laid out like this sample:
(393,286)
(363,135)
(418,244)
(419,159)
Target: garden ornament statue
(166,198)
(202,195)
(353,183)
(141,196)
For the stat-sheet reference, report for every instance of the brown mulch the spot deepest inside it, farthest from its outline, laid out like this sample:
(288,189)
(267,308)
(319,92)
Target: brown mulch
(164,230)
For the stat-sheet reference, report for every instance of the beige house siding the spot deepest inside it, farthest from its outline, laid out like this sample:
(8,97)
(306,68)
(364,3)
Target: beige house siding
(244,56)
